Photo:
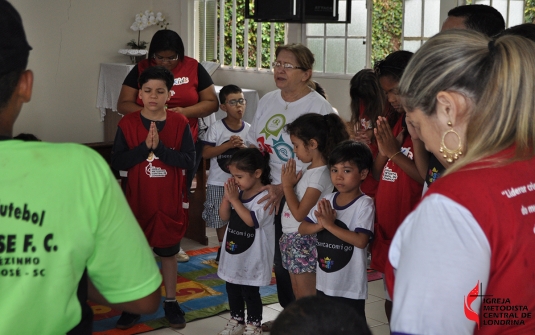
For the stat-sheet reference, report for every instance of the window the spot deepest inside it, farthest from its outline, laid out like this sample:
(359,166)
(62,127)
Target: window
(421,20)
(421,16)
(205,30)
(236,42)
(341,48)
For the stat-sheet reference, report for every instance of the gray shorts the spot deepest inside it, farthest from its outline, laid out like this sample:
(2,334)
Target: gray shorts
(210,214)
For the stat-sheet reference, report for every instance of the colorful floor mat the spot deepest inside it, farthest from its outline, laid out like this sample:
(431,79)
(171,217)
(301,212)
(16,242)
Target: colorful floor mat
(200,293)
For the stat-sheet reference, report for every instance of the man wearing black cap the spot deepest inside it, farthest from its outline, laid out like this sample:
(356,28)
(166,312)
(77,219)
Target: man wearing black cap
(66,231)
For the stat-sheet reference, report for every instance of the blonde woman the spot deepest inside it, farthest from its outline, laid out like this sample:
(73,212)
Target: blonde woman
(472,237)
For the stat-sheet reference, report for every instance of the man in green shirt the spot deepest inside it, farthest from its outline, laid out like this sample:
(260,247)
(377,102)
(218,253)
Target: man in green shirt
(67,233)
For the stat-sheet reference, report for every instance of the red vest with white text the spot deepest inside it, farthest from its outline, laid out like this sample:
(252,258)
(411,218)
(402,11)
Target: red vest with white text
(397,195)
(154,189)
(502,200)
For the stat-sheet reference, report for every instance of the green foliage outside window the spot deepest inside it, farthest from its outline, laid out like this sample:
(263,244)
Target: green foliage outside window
(386,31)
(529,11)
(387,23)
(252,37)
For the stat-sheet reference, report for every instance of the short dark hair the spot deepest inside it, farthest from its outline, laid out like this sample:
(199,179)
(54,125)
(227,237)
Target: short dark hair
(166,40)
(482,18)
(157,72)
(526,30)
(393,65)
(355,152)
(8,83)
(317,315)
(26,137)
(226,90)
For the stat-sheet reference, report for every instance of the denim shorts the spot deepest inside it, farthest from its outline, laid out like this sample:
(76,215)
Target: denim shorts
(299,252)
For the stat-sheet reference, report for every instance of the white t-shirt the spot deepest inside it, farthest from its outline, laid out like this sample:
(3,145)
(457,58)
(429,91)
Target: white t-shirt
(217,134)
(267,130)
(247,258)
(429,298)
(341,269)
(318,178)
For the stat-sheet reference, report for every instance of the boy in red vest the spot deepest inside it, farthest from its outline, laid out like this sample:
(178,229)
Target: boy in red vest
(155,146)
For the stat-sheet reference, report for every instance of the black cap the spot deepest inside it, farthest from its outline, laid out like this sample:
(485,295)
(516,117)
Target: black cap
(14,48)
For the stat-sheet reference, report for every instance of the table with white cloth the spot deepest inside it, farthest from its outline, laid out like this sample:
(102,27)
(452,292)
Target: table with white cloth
(110,82)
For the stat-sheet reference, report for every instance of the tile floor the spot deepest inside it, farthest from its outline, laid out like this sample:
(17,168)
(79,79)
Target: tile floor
(375,313)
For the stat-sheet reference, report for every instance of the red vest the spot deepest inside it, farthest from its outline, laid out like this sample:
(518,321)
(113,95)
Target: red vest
(155,190)
(184,92)
(396,197)
(502,200)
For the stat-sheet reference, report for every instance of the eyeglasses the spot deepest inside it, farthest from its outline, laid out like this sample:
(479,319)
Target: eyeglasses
(159,58)
(286,66)
(235,102)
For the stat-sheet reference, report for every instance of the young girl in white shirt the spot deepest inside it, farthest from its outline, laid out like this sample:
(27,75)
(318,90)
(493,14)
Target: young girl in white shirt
(247,260)
(313,137)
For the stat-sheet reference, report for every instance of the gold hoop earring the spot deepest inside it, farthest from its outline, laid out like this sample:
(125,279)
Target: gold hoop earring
(449,154)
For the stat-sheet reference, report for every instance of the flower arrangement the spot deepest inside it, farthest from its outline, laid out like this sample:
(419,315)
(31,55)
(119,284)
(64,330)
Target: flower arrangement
(143,20)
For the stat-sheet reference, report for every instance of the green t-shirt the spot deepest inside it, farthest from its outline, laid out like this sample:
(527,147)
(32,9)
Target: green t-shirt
(62,211)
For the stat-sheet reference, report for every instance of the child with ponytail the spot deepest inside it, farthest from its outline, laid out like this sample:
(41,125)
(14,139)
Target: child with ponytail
(246,262)
(313,136)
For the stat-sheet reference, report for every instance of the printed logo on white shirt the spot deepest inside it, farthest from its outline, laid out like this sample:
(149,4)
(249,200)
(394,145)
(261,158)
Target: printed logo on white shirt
(333,253)
(283,150)
(274,125)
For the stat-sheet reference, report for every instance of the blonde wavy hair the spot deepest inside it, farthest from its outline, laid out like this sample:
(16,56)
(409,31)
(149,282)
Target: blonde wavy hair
(497,77)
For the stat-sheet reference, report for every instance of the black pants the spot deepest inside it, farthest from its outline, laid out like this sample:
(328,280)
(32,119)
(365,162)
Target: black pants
(238,296)
(356,304)
(285,292)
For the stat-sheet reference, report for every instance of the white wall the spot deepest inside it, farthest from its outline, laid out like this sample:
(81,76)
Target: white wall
(70,39)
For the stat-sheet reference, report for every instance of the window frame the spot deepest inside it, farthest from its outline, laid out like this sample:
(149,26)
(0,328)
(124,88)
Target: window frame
(367,38)
(301,37)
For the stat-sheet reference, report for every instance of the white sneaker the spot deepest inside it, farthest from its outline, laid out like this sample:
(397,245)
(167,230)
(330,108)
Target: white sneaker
(182,257)
(233,328)
(252,330)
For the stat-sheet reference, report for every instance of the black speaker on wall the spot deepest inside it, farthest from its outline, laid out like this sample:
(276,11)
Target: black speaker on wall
(277,10)
(297,11)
